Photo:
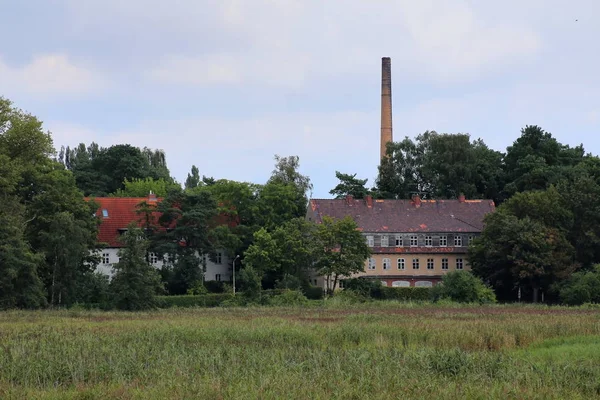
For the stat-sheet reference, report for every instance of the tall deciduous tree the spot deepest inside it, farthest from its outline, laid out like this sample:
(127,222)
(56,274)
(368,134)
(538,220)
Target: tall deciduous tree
(143,187)
(342,250)
(349,185)
(135,283)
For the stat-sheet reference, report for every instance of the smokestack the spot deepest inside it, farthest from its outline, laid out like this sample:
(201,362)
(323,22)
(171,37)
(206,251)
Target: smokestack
(386,103)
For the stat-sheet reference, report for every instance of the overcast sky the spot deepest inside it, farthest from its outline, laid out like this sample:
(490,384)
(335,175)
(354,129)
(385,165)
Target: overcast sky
(227,84)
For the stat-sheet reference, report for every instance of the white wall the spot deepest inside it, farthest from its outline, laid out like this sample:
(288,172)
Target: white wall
(212,269)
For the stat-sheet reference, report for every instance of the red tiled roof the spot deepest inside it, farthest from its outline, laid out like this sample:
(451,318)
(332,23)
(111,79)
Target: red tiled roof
(406,215)
(121,211)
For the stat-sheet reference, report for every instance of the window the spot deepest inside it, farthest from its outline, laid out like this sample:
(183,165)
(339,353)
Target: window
(315,282)
(385,241)
(105,258)
(104,213)
(370,241)
(342,284)
(153,258)
(371,263)
(458,240)
(219,258)
(386,263)
(400,284)
(401,263)
(383,283)
(204,259)
(471,238)
(444,263)
(443,241)
(399,241)
(430,263)
(428,240)
(218,277)
(459,263)
(423,284)
(414,241)
(415,263)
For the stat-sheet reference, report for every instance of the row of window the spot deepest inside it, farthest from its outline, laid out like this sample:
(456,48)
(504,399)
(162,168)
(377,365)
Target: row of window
(153,258)
(398,241)
(416,263)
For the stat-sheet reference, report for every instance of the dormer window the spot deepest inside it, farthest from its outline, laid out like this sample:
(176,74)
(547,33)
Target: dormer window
(104,213)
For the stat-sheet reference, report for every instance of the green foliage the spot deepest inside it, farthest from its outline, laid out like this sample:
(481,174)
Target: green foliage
(522,246)
(582,287)
(440,166)
(463,287)
(184,301)
(341,250)
(349,186)
(142,187)
(289,298)
(313,292)
(193,179)
(406,293)
(20,285)
(289,282)
(135,283)
(101,171)
(250,283)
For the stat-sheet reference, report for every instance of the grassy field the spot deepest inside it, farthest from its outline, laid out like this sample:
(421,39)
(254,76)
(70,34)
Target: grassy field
(376,351)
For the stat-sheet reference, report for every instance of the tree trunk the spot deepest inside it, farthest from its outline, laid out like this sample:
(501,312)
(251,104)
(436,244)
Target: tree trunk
(535,294)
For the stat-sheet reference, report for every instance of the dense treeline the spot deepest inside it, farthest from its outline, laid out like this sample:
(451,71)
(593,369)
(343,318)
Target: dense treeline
(543,237)
(547,224)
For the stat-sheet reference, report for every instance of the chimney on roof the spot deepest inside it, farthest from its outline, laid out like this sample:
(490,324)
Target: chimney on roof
(416,200)
(349,199)
(386,104)
(151,197)
(461,198)
(369,200)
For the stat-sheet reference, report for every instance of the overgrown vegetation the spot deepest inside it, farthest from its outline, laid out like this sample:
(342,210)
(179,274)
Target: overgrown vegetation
(358,351)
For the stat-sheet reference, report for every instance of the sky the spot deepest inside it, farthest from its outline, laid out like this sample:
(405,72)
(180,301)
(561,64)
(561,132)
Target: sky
(227,84)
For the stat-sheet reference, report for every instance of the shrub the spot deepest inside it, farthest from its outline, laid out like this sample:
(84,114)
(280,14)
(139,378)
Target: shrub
(463,287)
(365,287)
(251,284)
(406,293)
(581,287)
(289,298)
(313,292)
(206,300)
(288,282)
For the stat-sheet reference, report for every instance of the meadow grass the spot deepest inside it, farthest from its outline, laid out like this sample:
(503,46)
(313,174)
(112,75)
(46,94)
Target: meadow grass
(331,350)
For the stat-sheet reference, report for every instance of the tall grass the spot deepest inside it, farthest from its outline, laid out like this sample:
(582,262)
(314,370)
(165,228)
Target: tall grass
(362,351)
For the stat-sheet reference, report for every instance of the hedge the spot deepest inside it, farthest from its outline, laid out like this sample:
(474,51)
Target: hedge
(406,293)
(205,300)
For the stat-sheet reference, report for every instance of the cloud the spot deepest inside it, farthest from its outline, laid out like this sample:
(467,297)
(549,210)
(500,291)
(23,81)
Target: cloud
(289,42)
(49,74)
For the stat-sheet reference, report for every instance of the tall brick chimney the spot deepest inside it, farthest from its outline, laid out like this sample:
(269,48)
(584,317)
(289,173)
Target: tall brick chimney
(386,104)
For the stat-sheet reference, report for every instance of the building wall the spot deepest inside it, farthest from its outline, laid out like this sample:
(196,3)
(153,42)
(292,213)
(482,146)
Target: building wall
(408,264)
(109,256)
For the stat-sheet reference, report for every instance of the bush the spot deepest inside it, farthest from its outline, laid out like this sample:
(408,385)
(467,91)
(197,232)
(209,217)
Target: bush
(406,293)
(250,282)
(288,282)
(313,292)
(365,287)
(206,300)
(463,287)
(289,298)
(581,287)
(216,286)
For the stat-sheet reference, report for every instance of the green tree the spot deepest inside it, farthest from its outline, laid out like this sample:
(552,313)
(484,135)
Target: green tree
(286,174)
(463,287)
(20,286)
(349,185)
(517,252)
(188,218)
(135,283)
(342,250)
(193,180)
(143,187)
(582,287)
